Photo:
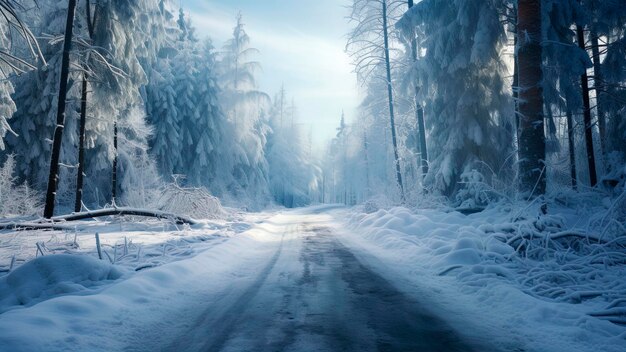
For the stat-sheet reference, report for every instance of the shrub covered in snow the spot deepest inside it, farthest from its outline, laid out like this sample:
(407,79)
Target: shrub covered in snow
(197,203)
(16,199)
(572,255)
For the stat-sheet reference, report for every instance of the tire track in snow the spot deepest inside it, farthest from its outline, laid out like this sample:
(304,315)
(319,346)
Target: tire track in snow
(233,315)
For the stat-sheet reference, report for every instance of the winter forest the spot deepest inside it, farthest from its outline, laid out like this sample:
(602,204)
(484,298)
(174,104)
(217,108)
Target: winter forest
(155,162)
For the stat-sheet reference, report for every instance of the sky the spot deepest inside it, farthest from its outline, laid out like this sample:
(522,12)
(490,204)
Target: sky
(301,45)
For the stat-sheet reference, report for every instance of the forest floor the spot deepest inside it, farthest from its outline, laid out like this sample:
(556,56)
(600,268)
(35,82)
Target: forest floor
(322,278)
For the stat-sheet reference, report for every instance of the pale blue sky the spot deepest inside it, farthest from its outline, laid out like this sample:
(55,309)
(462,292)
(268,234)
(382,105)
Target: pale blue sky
(301,43)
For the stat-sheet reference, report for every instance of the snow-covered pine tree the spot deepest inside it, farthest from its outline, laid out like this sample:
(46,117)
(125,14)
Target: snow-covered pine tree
(293,178)
(563,65)
(165,143)
(419,109)
(12,28)
(608,46)
(461,76)
(204,128)
(36,95)
(123,30)
(243,104)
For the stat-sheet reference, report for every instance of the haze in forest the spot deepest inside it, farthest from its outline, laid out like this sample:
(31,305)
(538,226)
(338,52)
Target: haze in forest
(304,50)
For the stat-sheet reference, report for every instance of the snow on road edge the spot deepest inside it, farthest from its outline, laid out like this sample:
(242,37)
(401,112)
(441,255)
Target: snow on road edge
(147,310)
(449,260)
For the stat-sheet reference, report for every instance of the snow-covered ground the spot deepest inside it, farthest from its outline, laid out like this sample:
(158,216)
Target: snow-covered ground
(302,279)
(556,297)
(73,301)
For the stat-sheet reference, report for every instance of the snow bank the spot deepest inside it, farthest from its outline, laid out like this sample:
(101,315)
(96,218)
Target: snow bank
(534,279)
(145,311)
(54,275)
(39,265)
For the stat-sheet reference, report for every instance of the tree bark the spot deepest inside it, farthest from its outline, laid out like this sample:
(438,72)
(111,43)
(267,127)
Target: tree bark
(572,151)
(515,87)
(60,122)
(419,111)
(598,82)
(114,167)
(390,96)
(584,80)
(367,165)
(78,204)
(532,141)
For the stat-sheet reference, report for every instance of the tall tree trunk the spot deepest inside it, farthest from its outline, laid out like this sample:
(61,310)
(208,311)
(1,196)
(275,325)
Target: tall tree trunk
(80,173)
(571,142)
(584,80)
(367,165)
(419,111)
(598,82)
(60,122)
(114,167)
(390,95)
(532,148)
(515,87)
(78,204)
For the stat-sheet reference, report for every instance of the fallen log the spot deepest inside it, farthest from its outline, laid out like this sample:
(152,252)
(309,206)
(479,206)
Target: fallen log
(179,219)
(25,226)
(53,224)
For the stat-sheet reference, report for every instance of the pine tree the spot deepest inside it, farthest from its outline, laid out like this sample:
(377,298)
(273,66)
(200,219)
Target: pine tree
(243,104)
(163,116)
(419,110)
(36,96)
(461,74)
(13,28)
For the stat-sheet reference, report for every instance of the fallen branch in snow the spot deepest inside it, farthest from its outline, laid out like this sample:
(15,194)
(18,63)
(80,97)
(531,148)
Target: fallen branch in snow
(616,315)
(447,270)
(125,211)
(53,224)
(555,236)
(24,226)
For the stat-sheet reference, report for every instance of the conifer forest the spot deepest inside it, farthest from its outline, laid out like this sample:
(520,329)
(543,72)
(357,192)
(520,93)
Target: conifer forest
(327,175)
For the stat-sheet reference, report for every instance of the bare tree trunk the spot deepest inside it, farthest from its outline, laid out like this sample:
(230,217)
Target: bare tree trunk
(390,95)
(78,204)
(572,151)
(83,120)
(367,165)
(114,168)
(58,130)
(419,111)
(532,141)
(584,80)
(516,80)
(598,79)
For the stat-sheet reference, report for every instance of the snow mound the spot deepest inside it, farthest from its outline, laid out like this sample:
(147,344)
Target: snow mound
(566,269)
(53,275)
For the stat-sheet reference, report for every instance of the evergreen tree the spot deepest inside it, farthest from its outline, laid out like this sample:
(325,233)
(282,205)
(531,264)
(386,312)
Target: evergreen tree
(165,143)
(461,75)
(36,98)
(243,104)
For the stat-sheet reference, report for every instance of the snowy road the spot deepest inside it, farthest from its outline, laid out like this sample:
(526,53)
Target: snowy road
(315,295)
(289,283)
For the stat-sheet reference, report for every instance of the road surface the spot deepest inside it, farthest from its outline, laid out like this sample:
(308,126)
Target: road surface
(313,294)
